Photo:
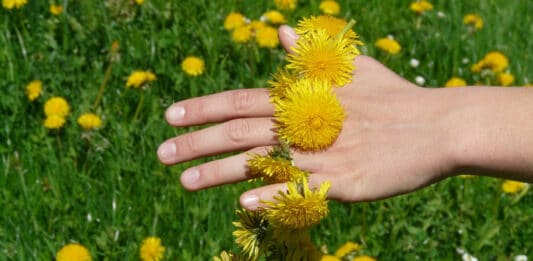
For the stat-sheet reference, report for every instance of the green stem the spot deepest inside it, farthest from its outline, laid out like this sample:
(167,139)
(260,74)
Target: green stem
(139,105)
(103,85)
(344,30)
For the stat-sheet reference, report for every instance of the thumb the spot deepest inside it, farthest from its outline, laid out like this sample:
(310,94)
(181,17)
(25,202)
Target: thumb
(288,37)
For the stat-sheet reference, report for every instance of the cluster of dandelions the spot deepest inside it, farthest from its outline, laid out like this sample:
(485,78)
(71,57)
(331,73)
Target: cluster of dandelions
(309,117)
(150,249)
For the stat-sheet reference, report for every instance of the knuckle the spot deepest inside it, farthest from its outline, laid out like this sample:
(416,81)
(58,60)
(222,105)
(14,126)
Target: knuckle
(186,145)
(242,100)
(237,130)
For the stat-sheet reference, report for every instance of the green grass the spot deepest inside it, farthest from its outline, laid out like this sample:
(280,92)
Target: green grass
(51,181)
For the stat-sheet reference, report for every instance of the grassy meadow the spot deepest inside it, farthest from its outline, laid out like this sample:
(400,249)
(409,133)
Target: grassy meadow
(106,189)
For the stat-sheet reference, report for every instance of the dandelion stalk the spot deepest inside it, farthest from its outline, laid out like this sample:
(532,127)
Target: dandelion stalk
(139,105)
(345,29)
(103,85)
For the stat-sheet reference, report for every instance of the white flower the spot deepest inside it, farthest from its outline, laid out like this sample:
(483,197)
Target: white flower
(520,258)
(420,80)
(89,217)
(414,63)
(441,14)
(466,60)
(468,257)
(390,36)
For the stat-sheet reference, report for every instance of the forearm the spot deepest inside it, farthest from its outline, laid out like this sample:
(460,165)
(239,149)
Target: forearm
(491,130)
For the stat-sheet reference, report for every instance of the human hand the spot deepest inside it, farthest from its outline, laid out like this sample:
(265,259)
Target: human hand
(394,139)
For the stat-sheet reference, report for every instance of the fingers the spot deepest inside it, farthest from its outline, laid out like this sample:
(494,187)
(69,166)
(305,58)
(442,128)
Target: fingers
(252,199)
(288,37)
(233,135)
(220,107)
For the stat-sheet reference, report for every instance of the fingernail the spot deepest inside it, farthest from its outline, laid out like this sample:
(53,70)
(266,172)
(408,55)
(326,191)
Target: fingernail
(190,176)
(249,201)
(166,151)
(175,113)
(290,33)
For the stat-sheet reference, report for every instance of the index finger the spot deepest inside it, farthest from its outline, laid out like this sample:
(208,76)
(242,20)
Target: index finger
(242,103)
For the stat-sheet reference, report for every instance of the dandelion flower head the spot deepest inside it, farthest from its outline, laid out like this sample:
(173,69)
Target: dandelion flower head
(455,82)
(323,58)
(388,45)
(288,5)
(234,20)
(281,80)
(139,2)
(73,252)
(505,79)
(494,61)
(332,25)
(473,20)
(267,37)
(363,258)
(151,249)
(421,6)
(274,17)
(138,79)
(34,90)
(512,187)
(56,106)
(89,121)
(347,248)
(56,9)
(310,117)
(242,34)
(256,25)
(251,231)
(54,122)
(330,7)
(274,169)
(300,207)
(229,256)
(10,4)
(193,66)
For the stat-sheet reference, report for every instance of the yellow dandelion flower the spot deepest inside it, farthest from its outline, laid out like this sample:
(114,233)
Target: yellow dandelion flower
(234,20)
(256,25)
(332,25)
(310,117)
(230,256)
(420,7)
(494,61)
(474,20)
(151,249)
(10,4)
(193,66)
(139,2)
(56,106)
(324,58)
(388,45)
(274,17)
(505,79)
(34,89)
(363,258)
(513,187)
(455,82)
(54,122)
(330,7)
(274,169)
(330,258)
(267,37)
(138,79)
(89,121)
(251,232)
(242,34)
(286,4)
(299,207)
(73,252)
(347,248)
(56,9)
(281,80)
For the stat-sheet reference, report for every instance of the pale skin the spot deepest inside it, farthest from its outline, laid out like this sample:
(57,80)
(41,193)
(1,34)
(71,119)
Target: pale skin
(397,137)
